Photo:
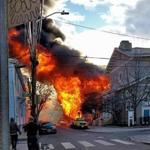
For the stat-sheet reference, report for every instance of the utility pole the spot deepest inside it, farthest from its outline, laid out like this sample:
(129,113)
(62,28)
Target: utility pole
(33,83)
(34,63)
(4,93)
(32,31)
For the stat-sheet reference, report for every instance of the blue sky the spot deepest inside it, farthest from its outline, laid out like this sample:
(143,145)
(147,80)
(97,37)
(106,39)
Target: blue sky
(129,17)
(92,16)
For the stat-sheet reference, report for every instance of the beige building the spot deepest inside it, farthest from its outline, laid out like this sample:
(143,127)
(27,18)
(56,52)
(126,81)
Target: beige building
(129,98)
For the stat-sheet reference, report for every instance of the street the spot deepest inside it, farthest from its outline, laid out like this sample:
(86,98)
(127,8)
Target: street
(85,140)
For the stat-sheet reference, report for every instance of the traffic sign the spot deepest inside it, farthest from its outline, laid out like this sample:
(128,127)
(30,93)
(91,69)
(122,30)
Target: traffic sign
(22,11)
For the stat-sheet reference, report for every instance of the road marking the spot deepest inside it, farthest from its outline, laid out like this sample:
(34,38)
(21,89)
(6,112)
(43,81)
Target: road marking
(68,145)
(104,142)
(122,142)
(40,145)
(44,147)
(50,146)
(86,144)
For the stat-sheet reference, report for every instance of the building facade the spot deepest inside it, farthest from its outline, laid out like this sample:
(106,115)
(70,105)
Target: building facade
(129,71)
(17,105)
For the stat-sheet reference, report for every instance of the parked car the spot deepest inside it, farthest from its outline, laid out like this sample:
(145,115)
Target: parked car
(47,128)
(79,123)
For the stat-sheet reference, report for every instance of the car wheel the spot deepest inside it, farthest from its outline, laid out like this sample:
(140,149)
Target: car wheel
(55,132)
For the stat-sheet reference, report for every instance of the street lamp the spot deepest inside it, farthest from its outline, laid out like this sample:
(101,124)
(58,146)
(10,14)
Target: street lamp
(34,63)
(57,12)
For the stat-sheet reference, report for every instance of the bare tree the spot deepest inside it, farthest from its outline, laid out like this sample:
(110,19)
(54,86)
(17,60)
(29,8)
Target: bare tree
(114,106)
(44,92)
(93,101)
(135,84)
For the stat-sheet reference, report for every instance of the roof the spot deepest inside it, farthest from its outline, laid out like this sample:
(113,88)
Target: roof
(115,58)
(138,51)
(127,54)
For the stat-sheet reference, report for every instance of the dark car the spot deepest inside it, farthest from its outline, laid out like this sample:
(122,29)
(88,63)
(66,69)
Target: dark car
(79,123)
(47,128)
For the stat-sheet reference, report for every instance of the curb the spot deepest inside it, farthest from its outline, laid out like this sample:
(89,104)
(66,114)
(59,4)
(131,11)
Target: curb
(95,131)
(22,139)
(139,140)
(112,130)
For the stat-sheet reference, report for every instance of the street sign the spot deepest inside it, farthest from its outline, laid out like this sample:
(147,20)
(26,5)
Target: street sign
(26,94)
(22,11)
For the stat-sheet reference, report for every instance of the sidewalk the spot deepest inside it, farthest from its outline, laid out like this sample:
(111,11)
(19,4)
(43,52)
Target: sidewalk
(138,138)
(111,129)
(22,142)
(22,145)
(141,138)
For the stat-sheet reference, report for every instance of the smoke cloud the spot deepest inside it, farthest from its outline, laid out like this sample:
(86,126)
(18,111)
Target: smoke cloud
(50,3)
(69,61)
(50,33)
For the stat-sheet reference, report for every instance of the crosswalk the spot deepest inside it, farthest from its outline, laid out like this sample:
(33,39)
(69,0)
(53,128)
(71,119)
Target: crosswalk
(104,142)
(86,144)
(69,145)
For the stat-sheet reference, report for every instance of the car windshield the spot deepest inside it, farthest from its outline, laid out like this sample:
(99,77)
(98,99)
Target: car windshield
(46,123)
(80,119)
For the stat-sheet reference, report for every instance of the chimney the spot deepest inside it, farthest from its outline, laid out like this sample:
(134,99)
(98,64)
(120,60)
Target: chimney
(125,46)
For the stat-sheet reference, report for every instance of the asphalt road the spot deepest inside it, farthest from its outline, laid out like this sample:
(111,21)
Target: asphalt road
(84,140)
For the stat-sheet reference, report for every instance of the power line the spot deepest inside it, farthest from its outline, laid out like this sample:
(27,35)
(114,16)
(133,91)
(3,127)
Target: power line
(131,66)
(109,32)
(84,57)
(94,57)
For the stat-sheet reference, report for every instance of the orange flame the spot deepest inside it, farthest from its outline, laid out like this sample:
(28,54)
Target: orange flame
(17,49)
(69,94)
(96,84)
(70,89)
(46,63)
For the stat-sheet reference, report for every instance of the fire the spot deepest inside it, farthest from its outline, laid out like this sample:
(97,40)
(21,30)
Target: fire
(17,49)
(21,52)
(70,89)
(96,84)
(69,94)
(46,63)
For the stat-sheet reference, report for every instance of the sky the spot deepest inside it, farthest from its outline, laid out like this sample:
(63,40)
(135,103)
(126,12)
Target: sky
(96,27)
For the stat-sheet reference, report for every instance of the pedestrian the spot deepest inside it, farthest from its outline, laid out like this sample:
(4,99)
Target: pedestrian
(14,130)
(32,129)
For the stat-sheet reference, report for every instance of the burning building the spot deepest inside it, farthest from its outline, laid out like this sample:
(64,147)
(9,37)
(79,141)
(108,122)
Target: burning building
(70,74)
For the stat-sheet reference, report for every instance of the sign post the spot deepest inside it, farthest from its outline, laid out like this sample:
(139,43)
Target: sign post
(4,93)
